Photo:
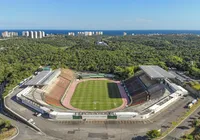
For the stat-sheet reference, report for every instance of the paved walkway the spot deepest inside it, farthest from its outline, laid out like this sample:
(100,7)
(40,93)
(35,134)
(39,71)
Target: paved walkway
(66,101)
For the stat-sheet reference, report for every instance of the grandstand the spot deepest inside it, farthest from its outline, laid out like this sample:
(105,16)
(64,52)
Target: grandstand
(48,87)
(147,85)
(54,96)
(54,92)
(67,74)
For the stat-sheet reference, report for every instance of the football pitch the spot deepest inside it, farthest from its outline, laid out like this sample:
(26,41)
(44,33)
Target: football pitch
(96,95)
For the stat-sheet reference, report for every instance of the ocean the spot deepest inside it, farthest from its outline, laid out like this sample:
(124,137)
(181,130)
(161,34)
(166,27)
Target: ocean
(114,32)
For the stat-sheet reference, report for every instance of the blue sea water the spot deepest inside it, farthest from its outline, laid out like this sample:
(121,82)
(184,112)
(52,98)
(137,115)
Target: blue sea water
(115,32)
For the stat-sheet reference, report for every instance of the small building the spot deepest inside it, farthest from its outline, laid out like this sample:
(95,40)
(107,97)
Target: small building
(124,33)
(101,43)
(9,34)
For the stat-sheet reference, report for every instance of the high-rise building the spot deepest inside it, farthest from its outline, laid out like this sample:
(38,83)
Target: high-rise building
(90,33)
(40,34)
(12,34)
(31,34)
(124,33)
(43,34)
(5,34)
(35,34)
(86,33)
(99,33)
(25,33)
(71,34)
(9,34)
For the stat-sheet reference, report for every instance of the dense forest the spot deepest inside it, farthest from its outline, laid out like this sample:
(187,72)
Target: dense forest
(20,57)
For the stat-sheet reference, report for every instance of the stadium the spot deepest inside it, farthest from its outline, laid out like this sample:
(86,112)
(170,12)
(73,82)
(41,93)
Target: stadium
(63,93)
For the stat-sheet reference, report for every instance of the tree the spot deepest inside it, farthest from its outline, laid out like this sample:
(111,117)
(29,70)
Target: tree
(20,57)
(196,122)
(153,134)
(7,124)
(4,129)
(188,137)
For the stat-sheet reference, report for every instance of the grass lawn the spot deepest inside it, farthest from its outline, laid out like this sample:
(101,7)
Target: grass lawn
(96,95)
(195,85)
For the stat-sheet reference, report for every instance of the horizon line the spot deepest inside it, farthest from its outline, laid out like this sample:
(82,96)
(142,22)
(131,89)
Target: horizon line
(111,29)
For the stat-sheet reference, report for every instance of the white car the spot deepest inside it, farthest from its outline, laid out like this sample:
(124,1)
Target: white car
(39,114)
(30,120)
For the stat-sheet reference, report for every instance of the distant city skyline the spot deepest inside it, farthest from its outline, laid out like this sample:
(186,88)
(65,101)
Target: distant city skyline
(100,14)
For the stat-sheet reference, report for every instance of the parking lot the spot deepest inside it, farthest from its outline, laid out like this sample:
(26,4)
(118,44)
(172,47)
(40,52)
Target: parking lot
(185,126)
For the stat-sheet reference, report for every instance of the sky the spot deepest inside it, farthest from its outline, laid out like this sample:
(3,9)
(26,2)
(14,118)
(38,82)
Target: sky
(100,14)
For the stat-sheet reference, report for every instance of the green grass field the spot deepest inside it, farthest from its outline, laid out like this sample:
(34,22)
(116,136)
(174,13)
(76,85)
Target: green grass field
(96,95)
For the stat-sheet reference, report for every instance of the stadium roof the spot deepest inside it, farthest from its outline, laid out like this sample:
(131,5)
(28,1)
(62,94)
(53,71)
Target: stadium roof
(156,72)
(39,79)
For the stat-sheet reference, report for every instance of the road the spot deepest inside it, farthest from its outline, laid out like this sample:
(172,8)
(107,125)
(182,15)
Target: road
(124,130)
(25,132)
(184,126)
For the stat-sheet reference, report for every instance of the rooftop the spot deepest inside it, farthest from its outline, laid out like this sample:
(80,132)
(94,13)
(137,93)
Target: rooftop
(39,79)
(156,72)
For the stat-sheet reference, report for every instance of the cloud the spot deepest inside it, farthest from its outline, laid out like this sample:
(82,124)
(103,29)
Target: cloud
(143,20)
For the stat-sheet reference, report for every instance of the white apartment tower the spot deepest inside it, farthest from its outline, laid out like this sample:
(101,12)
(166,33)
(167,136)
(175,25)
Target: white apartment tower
(35,34)
(43,34)
(40,34)
(31,34)
(25,33)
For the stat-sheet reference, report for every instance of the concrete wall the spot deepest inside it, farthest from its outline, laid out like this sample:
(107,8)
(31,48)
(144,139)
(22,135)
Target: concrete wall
(191,90)
(61,115)
(10,111)
(31,105)
(94,117)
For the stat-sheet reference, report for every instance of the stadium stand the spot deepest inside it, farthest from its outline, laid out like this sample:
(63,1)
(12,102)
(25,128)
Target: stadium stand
(55,94)
(140,98)
(52,77)
(136,90)
(147,81)
(147,85)
(67,74)
(156,91)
